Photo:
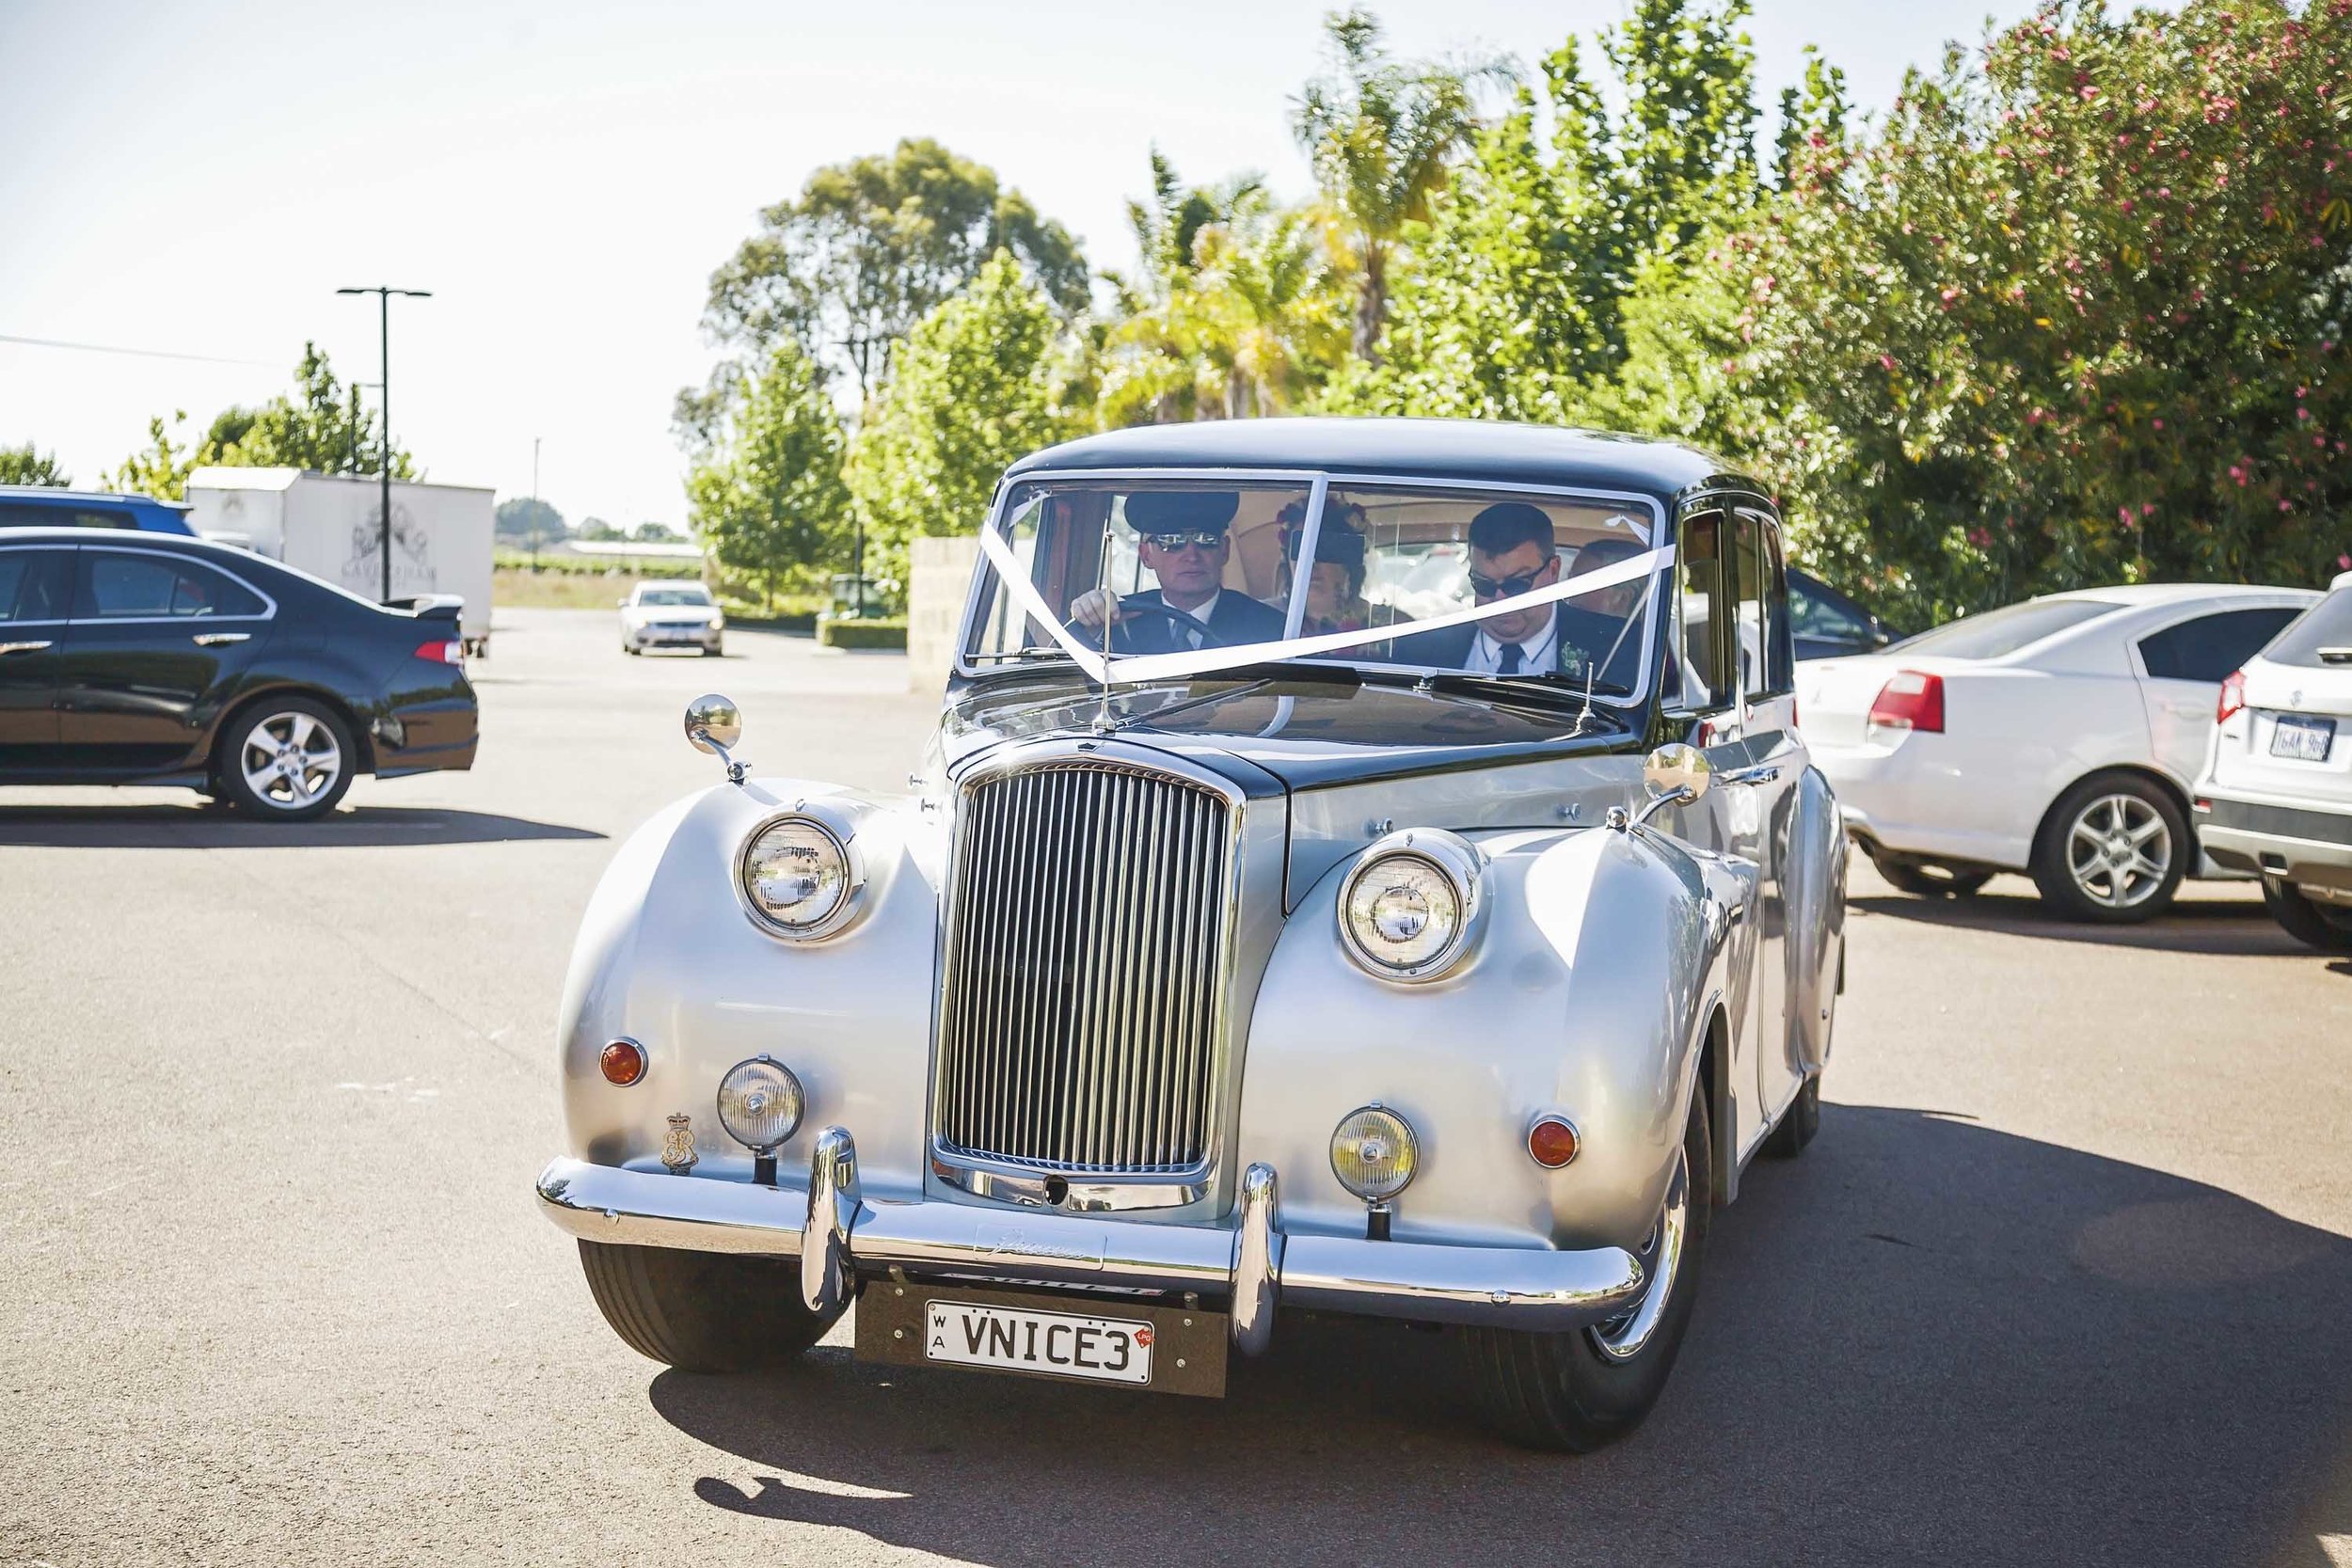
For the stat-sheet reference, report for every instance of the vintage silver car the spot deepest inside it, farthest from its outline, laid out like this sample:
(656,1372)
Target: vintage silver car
(1422,910)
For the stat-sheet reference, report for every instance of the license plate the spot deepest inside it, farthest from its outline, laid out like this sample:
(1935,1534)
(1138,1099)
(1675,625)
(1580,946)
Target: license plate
(2302,740)
(1058,1344)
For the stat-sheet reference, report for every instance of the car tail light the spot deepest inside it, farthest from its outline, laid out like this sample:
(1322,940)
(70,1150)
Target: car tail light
(2232,697)
(450,651)
(1911,701)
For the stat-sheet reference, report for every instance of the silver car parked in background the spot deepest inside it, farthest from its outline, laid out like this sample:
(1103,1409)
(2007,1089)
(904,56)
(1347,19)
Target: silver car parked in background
(672,615)
(1423,909)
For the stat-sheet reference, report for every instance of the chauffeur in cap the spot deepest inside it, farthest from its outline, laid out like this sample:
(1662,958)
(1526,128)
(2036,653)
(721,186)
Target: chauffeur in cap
(1185,539)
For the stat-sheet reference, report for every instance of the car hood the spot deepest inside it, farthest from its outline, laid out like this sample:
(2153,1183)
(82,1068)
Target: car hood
(1304,733)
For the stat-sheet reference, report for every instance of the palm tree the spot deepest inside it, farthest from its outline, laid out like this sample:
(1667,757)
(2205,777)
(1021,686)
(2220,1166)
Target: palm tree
(1380,133)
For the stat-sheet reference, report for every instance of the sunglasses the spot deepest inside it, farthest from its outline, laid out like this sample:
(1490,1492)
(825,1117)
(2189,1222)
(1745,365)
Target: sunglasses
(1206,539)
(1486,587)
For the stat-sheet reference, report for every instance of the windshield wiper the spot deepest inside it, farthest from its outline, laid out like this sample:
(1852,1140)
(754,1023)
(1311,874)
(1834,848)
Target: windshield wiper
(1189,704)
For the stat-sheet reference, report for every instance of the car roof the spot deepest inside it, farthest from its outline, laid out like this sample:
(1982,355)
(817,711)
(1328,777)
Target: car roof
(2179,593)
(1471,450)
(107,498)
(132,539)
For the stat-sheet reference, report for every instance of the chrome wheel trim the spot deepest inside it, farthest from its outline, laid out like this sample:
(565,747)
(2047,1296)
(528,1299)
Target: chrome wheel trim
(288,760)
(1622,1338)
(2119,851)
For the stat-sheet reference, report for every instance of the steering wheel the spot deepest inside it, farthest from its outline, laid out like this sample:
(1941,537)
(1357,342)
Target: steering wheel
(1154,607)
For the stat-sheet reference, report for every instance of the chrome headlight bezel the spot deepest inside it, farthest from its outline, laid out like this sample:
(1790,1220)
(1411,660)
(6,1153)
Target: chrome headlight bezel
(1403,1152)
(1456,859)
(838,827)
(787,1086)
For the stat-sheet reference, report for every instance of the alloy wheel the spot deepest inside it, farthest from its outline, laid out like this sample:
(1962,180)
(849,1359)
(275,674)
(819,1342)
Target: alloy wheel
(1622,1338)
(290,760)
(2119,850)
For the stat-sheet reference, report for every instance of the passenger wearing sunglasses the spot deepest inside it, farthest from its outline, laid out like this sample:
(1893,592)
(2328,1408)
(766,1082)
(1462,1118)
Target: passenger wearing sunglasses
(1185,539)
(1514,551)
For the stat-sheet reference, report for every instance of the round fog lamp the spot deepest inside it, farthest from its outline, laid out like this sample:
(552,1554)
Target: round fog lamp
(623,1062)
(760,1103)
(1374,1153)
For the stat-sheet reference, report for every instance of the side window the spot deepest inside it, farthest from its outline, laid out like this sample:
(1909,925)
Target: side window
(2209,647)
(1780,647)
(1703,611)
(151,587)
(1814,613)
(33,584)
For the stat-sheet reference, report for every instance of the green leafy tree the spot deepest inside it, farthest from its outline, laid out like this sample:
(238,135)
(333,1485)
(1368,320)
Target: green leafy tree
(1237,310)
(2073,315)
(980,381)
(872,245)
(533,523)
(1516,305)
(317,428)
(25,466)
(654,533)
(1380,133)
(766,491)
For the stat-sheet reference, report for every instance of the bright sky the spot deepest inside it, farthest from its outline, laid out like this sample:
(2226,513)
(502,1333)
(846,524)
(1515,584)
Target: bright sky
(199,178)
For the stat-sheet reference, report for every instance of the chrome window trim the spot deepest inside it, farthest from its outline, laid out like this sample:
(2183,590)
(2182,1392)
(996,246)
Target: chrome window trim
(840,827)
(1321,480)
(269,603)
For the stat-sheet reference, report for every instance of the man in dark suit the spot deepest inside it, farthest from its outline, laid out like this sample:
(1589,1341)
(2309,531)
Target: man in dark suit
(1514,551)
(1184,538)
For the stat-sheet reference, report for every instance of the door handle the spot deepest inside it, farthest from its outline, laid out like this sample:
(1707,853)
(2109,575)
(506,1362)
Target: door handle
(1763,773)
(217,639)
(7,648)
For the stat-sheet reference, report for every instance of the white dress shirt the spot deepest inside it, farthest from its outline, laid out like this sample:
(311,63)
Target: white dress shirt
(1538,655)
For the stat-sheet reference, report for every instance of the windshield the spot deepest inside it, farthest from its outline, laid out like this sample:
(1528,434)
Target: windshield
(1191,577)
(1999,632)
(674,595)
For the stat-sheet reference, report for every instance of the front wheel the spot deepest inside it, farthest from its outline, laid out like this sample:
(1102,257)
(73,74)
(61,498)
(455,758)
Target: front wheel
(2307,920)
(702,1312)
(286,758)
(1579,1390)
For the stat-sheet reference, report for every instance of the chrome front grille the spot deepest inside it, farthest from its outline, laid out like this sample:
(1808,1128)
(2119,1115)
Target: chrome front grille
(1086,968)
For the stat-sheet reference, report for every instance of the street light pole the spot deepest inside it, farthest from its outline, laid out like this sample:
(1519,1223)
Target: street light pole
(384,347)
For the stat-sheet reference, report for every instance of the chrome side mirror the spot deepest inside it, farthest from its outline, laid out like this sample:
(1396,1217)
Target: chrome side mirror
(1675,775)
(714,724)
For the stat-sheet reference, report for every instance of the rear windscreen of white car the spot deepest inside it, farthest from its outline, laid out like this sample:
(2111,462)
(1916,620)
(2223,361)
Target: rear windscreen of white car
(1997,632)
(2327,626)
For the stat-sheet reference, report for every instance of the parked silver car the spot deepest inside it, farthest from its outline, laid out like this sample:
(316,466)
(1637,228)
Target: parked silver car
(672,615)
(1422,910)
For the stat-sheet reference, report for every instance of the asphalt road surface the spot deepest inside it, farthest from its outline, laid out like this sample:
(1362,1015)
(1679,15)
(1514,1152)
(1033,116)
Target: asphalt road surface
(2064,1280)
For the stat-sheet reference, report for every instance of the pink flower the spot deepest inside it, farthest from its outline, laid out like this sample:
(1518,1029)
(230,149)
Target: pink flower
(2286,505)
(2239,474)
(1887,361)
(2344,562)
(2158,423)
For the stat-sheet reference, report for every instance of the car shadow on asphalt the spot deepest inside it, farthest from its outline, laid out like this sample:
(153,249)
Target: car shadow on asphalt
(2191,925)
(195,827)
(1924,1341)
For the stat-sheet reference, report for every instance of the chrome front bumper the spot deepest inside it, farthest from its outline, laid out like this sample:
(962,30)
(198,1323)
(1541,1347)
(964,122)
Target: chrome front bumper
(838,1236)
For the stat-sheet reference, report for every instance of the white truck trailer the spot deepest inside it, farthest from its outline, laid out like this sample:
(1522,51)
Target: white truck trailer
(331,525)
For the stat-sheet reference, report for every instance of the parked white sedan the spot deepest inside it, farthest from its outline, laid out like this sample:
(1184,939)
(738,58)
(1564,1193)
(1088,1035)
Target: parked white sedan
(672,615)
(2058,737)
(2275,798)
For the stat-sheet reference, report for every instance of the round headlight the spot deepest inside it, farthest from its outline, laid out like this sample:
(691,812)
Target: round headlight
(1374,1153)
(800,877)
(1407,909)
(760,1103)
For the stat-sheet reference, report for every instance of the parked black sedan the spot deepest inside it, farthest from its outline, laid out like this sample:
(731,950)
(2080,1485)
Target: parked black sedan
(1828,624)
(148,659)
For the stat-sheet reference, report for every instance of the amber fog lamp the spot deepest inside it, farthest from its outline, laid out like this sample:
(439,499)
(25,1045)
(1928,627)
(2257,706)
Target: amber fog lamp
(1552,1143)
(623,1062)
(1374,1153)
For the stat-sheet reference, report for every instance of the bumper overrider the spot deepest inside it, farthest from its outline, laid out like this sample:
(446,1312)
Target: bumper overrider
(838,1237)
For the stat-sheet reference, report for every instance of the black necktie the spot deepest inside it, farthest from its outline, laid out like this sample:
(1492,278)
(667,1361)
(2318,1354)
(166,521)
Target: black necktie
(1511,657)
